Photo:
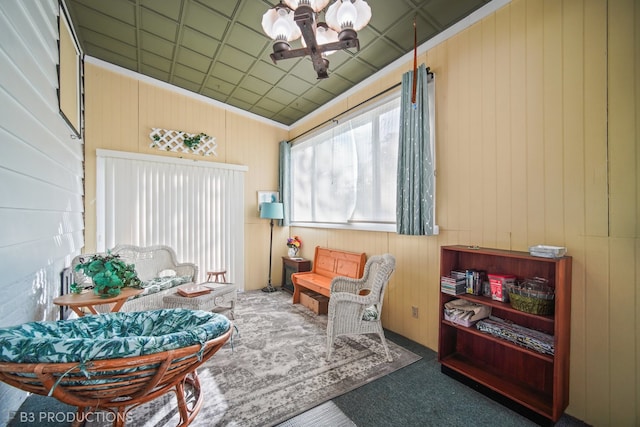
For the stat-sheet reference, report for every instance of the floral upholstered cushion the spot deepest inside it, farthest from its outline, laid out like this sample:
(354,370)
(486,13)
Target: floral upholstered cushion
(109,336)
(370,313)
(158,284)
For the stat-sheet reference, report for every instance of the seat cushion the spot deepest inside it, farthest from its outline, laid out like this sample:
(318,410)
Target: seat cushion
(158,284)
(109,336)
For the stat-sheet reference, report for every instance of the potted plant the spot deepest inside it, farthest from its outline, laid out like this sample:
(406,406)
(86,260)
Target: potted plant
(109,273)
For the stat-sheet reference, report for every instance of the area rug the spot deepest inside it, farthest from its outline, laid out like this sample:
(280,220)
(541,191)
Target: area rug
(274,367)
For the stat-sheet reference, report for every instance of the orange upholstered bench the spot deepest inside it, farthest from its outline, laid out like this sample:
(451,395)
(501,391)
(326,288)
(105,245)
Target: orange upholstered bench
(328,263)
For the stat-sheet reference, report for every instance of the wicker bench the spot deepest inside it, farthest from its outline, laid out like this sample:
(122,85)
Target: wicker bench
(327,264)
(156,266)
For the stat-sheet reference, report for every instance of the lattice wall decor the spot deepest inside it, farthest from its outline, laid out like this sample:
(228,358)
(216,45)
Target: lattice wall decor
(174,140)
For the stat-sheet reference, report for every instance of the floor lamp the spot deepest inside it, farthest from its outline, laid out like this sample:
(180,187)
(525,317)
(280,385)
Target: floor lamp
(271,211)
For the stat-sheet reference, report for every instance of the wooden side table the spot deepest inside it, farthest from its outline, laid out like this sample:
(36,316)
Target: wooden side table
(290,266)
(89,300)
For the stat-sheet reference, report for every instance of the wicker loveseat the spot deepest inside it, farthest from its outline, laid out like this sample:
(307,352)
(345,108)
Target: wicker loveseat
(114,361)
(157,268)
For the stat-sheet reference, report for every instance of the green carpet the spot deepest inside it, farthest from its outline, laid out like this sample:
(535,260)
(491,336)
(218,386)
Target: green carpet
(420,395)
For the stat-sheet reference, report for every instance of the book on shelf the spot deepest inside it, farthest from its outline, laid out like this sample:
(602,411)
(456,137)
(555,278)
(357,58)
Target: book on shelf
(452,286)
(456,274)
(452,292)
(451,280)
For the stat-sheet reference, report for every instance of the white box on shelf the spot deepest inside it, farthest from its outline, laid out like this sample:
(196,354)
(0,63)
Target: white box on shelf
(547,251)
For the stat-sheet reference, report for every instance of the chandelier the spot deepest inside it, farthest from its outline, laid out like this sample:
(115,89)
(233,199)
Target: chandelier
(293,19)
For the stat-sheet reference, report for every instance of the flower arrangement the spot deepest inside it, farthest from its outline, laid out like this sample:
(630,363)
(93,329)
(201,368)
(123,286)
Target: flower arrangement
(294,242)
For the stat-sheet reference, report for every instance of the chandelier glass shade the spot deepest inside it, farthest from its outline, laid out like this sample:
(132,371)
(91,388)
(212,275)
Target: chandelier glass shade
(347,14)
(278,24)
(316,5)
(294,19)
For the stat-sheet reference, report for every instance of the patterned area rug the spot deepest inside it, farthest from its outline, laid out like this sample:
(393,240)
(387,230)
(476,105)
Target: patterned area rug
(275,368)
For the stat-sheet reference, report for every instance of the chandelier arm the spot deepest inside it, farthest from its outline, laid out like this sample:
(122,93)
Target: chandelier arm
(340,45)
(304,51)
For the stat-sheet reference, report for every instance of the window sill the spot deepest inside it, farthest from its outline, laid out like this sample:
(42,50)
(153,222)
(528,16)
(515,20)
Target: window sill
(385,228)
(358,226)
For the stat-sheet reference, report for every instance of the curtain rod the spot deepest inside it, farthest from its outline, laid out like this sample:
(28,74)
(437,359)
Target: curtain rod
(429,73)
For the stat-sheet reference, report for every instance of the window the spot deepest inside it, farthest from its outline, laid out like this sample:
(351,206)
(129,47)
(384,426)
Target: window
(69,74)
(345,177)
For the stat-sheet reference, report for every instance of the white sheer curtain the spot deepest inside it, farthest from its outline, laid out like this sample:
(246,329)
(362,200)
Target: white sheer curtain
(195,207)
(345,175)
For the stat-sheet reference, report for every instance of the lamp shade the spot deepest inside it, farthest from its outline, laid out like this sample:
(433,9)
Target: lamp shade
(272,210)
(316,5)
(346,14)
(278,24)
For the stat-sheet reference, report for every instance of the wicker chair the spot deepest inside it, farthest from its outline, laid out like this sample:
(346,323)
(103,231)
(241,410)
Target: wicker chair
(115,361)
(355,306)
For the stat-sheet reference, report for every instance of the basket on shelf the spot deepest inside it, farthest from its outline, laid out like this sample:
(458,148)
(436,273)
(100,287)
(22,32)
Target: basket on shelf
(533,296)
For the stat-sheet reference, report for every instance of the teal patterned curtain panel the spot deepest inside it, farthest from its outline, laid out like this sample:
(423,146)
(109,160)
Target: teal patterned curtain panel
(415,206)
(284,181)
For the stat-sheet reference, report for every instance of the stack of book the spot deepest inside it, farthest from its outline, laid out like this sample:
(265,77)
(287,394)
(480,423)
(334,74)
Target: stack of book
(452,286)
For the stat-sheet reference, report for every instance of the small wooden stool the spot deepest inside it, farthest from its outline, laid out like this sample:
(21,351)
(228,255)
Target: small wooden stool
(216,275)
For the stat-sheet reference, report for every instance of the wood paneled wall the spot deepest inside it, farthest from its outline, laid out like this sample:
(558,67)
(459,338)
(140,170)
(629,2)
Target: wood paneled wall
(537,141)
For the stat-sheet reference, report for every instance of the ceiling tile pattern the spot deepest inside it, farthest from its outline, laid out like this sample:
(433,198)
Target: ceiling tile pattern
(216,48)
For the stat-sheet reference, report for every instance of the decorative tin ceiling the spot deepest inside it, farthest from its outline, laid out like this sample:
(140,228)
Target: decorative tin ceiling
(216,48)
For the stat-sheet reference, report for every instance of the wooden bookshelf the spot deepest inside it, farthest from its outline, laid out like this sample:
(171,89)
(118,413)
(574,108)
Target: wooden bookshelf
(536,381)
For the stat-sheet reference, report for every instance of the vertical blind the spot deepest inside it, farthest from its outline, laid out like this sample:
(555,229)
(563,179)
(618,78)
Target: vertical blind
(195,207)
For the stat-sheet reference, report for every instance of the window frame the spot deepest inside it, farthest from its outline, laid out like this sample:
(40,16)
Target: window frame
(380,226)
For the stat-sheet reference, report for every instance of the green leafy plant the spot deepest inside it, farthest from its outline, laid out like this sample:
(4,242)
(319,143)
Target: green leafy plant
(109,273)
(193,141)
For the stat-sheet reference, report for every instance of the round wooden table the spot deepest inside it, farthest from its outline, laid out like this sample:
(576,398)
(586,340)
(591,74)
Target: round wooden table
(89,300)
